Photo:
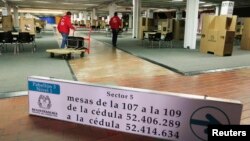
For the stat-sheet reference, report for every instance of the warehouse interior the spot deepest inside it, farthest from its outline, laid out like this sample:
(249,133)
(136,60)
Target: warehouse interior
(136,62)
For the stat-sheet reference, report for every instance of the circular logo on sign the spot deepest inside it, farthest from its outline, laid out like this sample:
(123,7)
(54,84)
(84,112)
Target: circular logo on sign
(205,116)
(44,102)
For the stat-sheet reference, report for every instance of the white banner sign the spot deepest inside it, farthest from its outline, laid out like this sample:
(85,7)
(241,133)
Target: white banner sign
(227,8)
(163,115)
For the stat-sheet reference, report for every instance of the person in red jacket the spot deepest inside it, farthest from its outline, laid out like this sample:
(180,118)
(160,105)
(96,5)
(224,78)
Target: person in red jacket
(115,23)
(64,27)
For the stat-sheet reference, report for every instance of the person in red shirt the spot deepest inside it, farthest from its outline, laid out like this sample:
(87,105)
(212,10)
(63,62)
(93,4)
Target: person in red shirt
(115,23)
(64,27)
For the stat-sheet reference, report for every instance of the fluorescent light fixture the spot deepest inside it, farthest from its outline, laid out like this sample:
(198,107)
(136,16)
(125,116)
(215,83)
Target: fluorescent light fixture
(177,0)
(67,3)
(207,5)
(202,2)
(42,1)
(14,0)
(89,4)
(164,10)
(41,11)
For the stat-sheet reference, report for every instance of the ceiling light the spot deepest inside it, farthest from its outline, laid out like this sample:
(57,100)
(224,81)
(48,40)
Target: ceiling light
(67,3)
(177,0)
(89,4)
(202,2)
(41,11)
(14,0)
(207,5)
(42,2)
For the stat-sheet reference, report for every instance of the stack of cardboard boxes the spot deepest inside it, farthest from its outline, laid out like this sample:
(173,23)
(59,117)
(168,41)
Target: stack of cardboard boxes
(27,25)
(88,24)
(147,24)
(218,34)
(7,23)
(245,39)
(165,26)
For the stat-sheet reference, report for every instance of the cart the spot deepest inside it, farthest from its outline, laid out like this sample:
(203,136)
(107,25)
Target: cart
(75,45)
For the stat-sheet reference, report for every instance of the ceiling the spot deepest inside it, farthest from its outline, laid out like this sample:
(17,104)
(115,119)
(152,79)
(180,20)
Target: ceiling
(101,5)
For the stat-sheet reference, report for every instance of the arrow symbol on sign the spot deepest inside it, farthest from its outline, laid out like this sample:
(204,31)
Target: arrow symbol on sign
(209,117)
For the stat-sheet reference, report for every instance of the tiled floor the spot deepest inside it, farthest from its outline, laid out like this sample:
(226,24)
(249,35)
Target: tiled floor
(105,65)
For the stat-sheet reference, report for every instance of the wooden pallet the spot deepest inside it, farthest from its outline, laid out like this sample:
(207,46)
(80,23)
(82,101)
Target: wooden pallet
(66,53)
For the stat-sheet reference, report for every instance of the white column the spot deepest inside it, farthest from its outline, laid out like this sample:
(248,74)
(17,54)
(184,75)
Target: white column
(217,10)
(16,21)
(80,14)
(8,7)
(93,16)
(191,24)
(112,9)
(130,21)
(149,14)
(85,17)
(136,18)
(74,18)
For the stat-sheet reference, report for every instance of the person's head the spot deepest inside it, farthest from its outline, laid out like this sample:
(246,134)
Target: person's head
(68,13)
(115,14)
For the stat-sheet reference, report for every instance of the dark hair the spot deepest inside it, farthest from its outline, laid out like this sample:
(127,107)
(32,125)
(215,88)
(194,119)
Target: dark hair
(115,13)
(68,13)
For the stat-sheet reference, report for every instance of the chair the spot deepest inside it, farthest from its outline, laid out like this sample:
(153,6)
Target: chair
(1,42)
(144,38)
(7,38)
(26,38)
(38,30)
(169,38)
(155,38)
(32,38)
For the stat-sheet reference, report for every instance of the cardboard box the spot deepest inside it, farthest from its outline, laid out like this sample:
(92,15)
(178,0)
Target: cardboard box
(224,47)
(208,22)
(225,22)
(40,23)
(7,23)
(179,29)
(233,23)
(27,25)
(245,39)
(165,26)
(218,22)
(58,18)
(203,43)
(218,34)
(218,42)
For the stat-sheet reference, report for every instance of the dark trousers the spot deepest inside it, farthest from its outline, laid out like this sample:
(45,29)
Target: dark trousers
(114,36)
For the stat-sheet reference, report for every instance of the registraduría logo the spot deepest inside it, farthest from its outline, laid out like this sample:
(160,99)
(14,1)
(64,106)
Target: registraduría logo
(44,102)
